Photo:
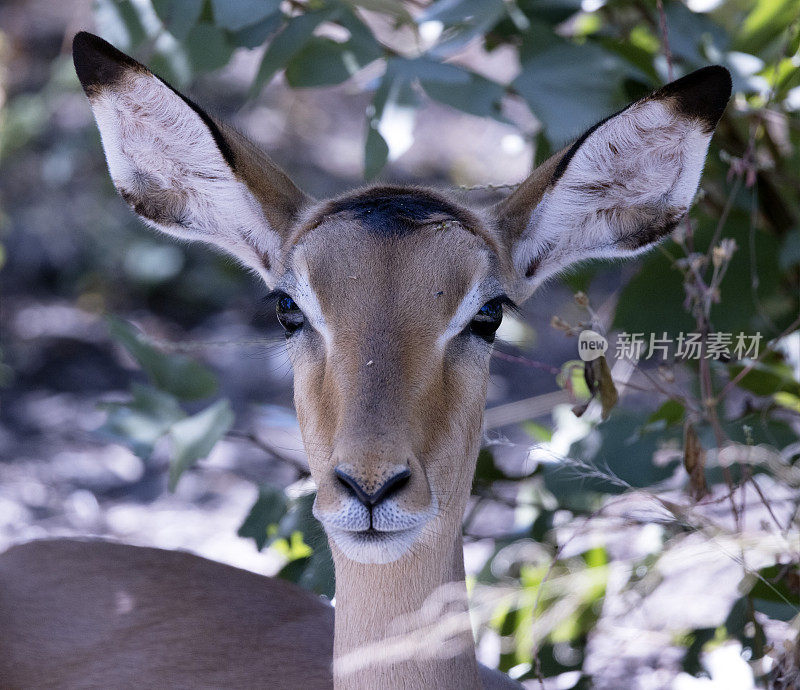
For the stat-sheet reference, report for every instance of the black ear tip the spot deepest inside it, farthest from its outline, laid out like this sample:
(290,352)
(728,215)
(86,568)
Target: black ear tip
(703,93)
(716,77)
(97,62)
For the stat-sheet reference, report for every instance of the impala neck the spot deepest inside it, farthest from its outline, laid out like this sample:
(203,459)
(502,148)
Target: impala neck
(405,624)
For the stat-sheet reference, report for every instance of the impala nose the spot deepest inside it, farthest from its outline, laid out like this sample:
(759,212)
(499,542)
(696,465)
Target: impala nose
(389,487)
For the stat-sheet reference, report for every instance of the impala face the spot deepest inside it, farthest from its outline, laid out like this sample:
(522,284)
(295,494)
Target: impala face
(390,296)
(390,347)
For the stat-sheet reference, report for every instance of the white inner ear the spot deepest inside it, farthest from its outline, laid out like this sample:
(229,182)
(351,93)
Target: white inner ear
(638,170)
(161,155)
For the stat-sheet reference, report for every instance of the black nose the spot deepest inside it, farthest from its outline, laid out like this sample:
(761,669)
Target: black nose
(392,485)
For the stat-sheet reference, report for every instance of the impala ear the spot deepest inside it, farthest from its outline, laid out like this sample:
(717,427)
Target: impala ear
(621,187)
(182,171)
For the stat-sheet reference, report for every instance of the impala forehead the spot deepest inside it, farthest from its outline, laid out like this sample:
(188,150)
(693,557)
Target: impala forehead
(350,276)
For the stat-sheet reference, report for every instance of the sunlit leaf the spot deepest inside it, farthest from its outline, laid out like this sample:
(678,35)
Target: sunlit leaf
(538,432)
(464,20)
(314,572)
(139,423)
(766,21)
(787,400)
(193,438)
(572,379)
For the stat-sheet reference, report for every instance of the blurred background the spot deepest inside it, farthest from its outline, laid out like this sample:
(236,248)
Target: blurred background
(637,518)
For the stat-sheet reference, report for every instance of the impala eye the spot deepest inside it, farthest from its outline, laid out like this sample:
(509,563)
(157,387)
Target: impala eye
(289,314)
(488,319)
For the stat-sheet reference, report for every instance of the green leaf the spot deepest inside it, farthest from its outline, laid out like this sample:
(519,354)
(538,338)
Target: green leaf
(393,8)
(193,438)
(767,378)
(294,569)
(790,249)
(254,35)
(362,46)
(428,71)
(175,374)
(768,20)
(671,412)
(288,43)
(463,21)
(480,96)
(538,432)
(317,571)
(178,16)
(119,23)
(564,94)
(237,14)
(572,378)
(779,584)
(693,36)
(486,471)
(207,47)
(265,515)
(319,575)
(552,12)
(638,312)
(617,453)
(787,400)
(320,62)
(376,153)
(139,423)
(756,429)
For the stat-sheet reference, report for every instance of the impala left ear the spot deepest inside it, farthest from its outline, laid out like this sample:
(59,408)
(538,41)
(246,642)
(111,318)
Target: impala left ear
(621,187)
(182,171)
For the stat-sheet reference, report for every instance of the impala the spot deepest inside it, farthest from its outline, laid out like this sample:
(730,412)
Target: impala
(390,297)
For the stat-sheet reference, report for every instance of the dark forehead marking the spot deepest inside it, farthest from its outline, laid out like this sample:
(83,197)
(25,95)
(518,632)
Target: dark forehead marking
(388,210)
(391,212)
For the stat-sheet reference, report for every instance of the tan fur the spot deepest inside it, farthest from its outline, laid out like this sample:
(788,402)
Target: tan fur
(387,376)
(92,614)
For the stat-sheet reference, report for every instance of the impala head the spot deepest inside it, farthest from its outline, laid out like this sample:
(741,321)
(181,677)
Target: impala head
(390,296)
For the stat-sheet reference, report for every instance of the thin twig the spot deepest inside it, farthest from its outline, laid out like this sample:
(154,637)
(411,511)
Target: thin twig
(527,362)
(662,25)
(301,469)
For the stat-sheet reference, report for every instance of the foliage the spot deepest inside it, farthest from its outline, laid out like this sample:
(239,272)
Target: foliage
(713,428)
(154,412)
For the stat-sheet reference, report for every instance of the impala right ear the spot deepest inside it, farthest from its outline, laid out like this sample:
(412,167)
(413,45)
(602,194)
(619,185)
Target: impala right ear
(620,188)
(182,171)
